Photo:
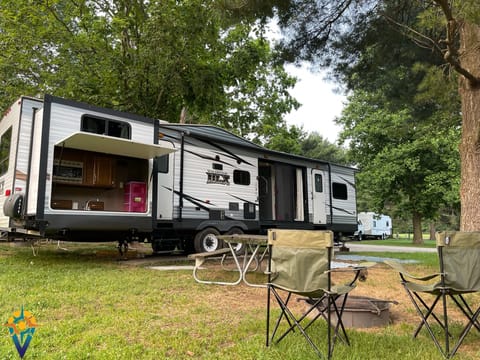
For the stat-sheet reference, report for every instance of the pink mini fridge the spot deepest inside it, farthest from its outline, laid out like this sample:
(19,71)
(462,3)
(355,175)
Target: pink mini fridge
(135,196)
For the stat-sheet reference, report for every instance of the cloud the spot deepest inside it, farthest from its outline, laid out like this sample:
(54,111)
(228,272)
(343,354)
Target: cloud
(320,104)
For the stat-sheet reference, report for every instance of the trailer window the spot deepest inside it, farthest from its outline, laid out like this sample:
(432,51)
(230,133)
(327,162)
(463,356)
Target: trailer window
(339,191)
(318,183)
(106,127)
(5,150)
(162,164)
(241,177)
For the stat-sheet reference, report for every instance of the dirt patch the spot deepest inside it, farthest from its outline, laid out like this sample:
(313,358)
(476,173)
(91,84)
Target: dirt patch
(381,283)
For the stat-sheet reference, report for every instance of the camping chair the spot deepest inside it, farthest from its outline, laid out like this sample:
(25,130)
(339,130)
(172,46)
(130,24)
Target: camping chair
(459,258)
(299,263)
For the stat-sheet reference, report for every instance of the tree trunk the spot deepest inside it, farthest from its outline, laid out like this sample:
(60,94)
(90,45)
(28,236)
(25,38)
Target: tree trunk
(470,141)
(432,231)
(417,228)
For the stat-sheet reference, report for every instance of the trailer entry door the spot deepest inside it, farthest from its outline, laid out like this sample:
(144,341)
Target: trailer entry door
(34,170)
(318,181)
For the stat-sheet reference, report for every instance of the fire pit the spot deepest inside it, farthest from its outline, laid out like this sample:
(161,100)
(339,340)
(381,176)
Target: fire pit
(364,312)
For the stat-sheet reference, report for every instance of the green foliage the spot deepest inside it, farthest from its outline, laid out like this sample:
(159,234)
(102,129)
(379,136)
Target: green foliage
(287,139)
(294,140)
(402,161)
(433,18)
(315,146)
(154,58)
(403,120)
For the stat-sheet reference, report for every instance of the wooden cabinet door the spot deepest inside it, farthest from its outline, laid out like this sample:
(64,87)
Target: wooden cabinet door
(88,171)
(103,171)
(98,171)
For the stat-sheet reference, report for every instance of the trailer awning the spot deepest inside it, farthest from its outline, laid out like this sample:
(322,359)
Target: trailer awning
(113,145)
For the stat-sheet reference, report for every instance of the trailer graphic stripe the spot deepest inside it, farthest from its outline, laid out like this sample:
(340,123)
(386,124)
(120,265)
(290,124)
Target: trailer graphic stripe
(236,157)
(244,200)
(224,152)
(343,210)
(347,181)
(198,202)
(208,157)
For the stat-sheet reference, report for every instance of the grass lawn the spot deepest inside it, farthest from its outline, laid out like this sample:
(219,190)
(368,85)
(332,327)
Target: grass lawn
(89,305)
(401,241)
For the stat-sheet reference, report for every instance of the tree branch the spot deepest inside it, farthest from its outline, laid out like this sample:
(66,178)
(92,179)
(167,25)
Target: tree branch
(451,53)
(419,38)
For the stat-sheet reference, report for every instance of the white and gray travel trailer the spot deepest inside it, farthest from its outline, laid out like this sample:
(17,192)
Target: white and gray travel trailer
(77,172)
(371,225)
(221,183)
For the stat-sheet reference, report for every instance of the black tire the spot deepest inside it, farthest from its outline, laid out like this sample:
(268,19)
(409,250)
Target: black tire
(207,240)
(239,247)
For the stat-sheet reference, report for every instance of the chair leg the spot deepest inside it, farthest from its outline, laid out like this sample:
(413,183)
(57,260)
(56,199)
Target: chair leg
(267,342)
(465,308)
(293,322)
(445,318)
(329,327)
(425,316)
(471,322)
(429,312)
(339,314)
(333,331)
(283,306)
(339,325)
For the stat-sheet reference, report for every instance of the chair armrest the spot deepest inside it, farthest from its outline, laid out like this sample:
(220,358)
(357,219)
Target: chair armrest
(362,266)
(360,271)
(402,271)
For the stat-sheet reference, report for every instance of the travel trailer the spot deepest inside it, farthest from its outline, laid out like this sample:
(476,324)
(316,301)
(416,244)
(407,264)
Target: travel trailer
(371,225)
(77,172)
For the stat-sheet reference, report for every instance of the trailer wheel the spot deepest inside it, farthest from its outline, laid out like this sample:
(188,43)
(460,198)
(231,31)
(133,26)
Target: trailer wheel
(238,247)
(207,241)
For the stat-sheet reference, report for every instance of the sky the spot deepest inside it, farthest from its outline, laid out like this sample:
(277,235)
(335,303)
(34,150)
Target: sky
(320,105)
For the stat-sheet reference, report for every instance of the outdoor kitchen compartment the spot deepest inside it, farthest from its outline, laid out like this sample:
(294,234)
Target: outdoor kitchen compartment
(68,171)
(135,196)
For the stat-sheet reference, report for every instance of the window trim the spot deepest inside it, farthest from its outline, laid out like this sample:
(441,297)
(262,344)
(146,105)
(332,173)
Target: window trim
(320,183)
(241,175)
(163,164)
(5,160)
(83,128)
(336,192)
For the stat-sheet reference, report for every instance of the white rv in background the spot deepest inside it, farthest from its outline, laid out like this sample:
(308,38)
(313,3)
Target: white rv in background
(77,172)
(371,225)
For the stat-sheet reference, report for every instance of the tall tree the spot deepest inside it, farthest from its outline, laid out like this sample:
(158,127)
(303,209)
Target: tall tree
(461,49)
(412,167)
(329,34)
(154,58)
(317,147)
(314,25)
(403,138)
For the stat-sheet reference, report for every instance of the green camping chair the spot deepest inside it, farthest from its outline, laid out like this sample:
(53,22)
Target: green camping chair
(300,263)
(459,258)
